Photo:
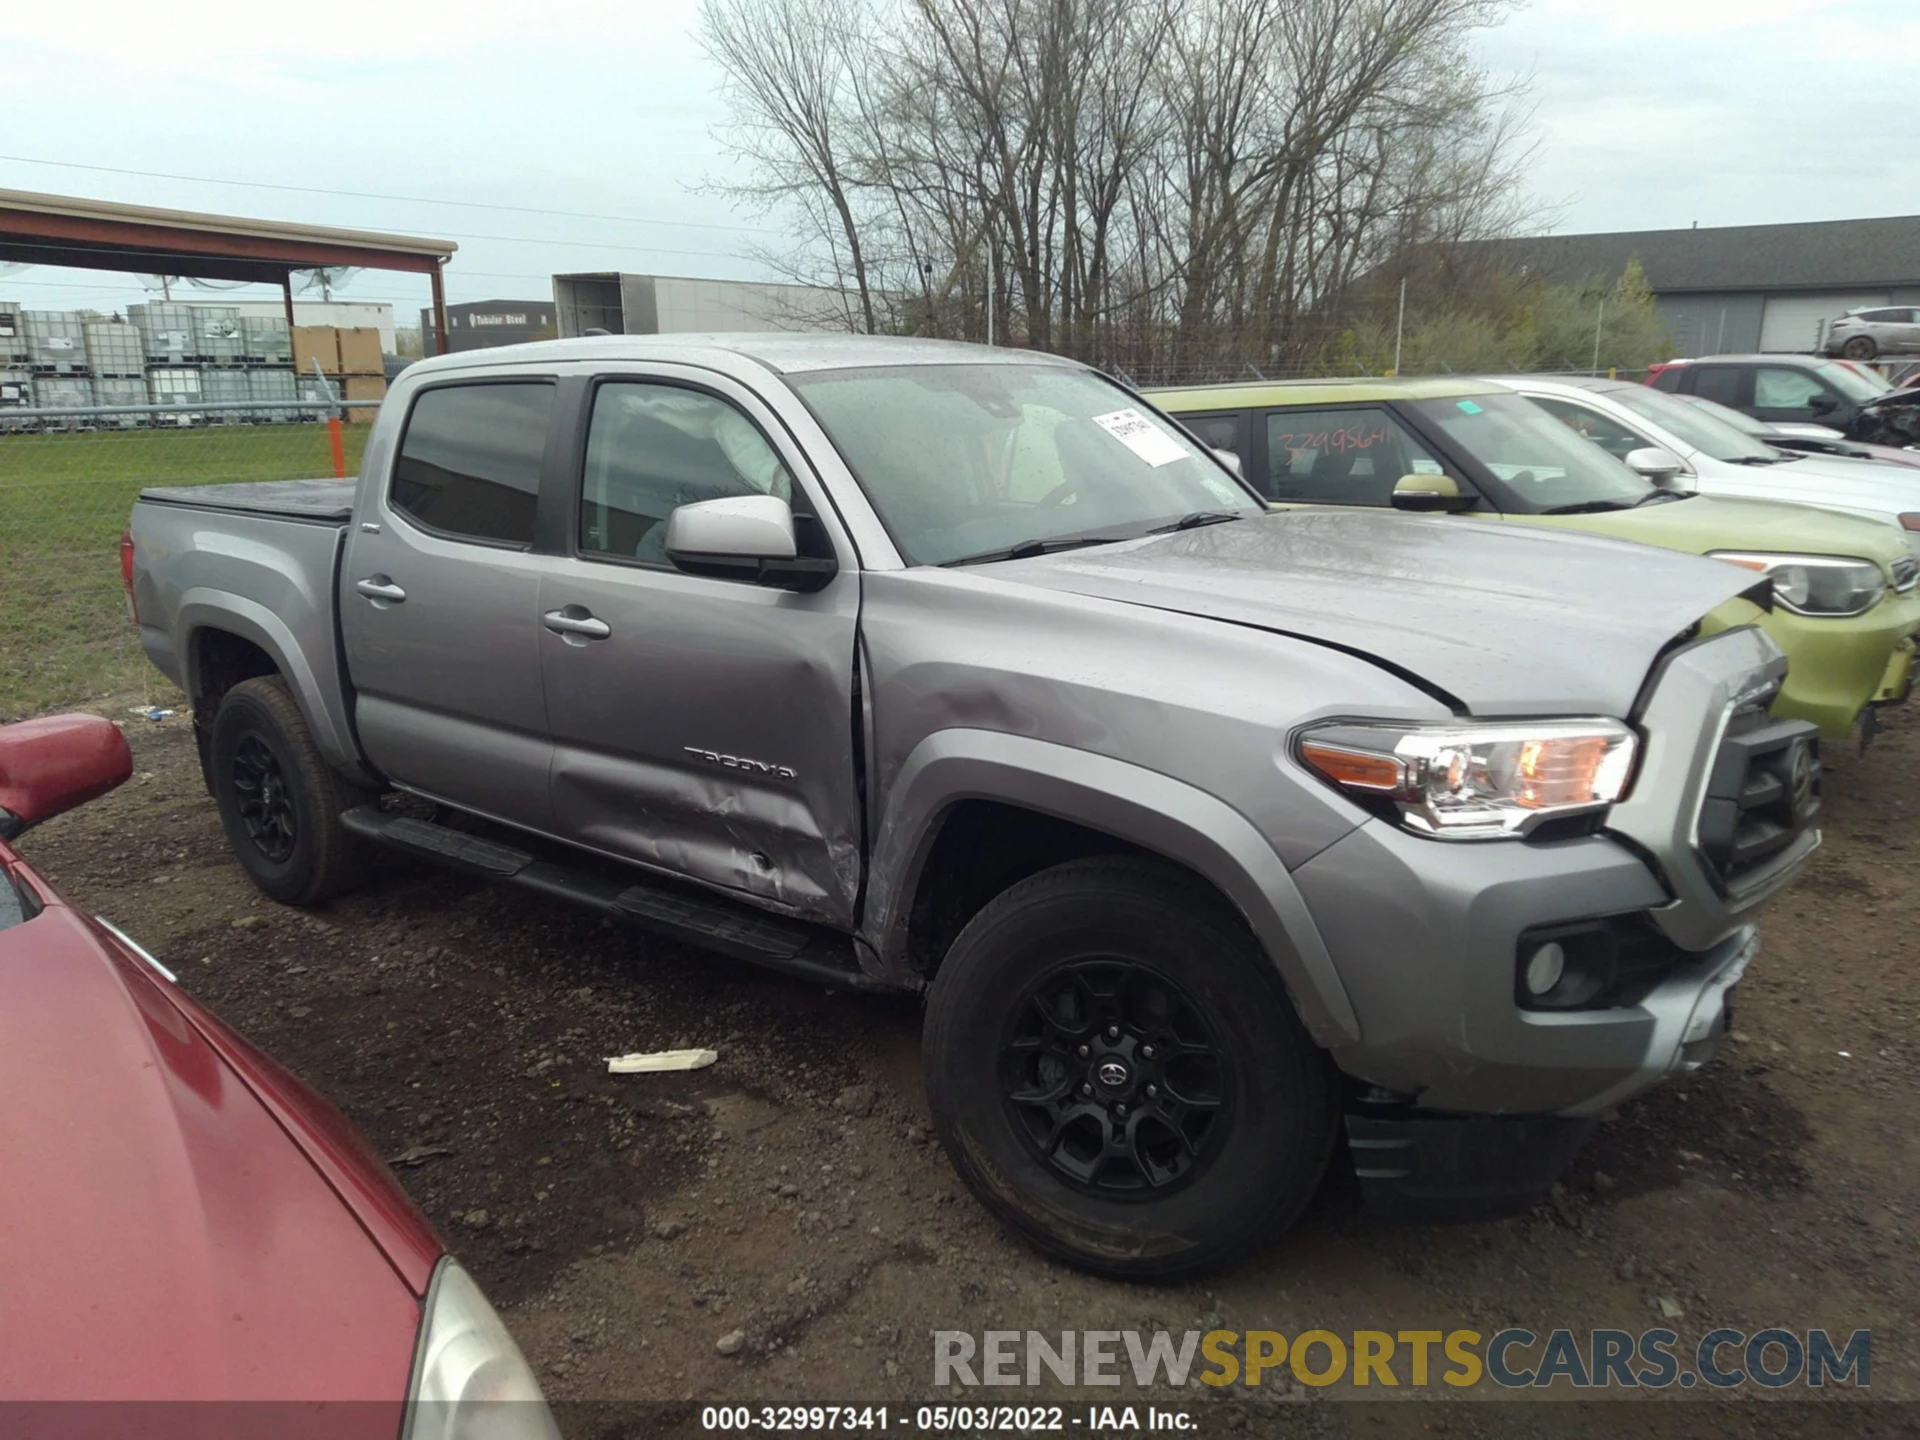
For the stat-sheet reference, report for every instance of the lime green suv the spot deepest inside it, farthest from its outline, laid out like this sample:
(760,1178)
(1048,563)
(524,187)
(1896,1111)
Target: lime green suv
(1845,604)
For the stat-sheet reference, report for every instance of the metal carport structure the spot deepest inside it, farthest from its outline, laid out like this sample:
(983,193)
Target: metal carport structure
(105,235)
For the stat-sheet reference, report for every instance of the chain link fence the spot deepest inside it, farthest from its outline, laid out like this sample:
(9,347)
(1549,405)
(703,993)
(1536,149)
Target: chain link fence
(68,478)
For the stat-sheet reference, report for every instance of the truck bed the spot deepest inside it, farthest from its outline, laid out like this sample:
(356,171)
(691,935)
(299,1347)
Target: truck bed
(319,499)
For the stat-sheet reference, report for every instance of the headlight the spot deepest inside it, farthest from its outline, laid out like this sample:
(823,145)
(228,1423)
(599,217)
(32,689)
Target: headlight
(1816,584)
(470,1381)
(1473,781)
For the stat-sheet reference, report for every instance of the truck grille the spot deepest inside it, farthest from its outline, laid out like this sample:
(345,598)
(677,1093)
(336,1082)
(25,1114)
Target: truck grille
(1906,570)
(1763,794)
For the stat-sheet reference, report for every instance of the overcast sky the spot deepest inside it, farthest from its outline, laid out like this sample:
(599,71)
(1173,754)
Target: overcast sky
(1648,113)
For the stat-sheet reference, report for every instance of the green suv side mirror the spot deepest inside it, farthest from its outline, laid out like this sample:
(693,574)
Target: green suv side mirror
(1426,494)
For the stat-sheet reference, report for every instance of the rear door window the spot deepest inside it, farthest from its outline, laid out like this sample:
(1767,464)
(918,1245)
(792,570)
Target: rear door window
(1720,383)
(1352,456)
(469,463)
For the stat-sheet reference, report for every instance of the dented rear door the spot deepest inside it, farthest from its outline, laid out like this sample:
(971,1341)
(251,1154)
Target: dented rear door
(700,726)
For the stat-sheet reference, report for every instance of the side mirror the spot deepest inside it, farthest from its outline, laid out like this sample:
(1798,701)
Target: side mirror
(743,537)
(1230,459)
(54,764)
(1822,404)
(1429,494)
(1654,465)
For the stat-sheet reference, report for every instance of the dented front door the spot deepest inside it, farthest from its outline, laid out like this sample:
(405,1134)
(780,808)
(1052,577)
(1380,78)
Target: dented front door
(700,726)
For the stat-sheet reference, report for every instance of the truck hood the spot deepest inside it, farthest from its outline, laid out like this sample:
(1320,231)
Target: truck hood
(161,1236)
(1498,619)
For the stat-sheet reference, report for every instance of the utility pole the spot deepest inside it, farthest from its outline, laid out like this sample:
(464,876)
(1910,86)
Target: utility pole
(990,294)
(1598,325)
(1400,325)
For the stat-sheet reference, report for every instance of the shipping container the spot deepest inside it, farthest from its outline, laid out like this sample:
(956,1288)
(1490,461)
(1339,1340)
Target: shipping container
(16,388)
(267,341)
(177,386)
(56,341)
(115,349)
(116,391)
(167,327)
(13,335)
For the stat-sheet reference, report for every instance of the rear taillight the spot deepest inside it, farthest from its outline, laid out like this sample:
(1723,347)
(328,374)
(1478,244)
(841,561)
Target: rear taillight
(126,572)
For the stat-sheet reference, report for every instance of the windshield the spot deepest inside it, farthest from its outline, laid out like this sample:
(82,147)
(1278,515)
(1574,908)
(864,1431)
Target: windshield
(1853,382)
(1541,464)
(963,461)
(1698,427)
(1726,414)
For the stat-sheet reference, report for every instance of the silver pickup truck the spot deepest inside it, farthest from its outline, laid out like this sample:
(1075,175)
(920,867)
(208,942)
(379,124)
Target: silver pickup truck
(1207,832)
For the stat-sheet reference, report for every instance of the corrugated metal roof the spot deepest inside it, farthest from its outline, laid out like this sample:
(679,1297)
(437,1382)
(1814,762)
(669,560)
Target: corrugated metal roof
(112,212)
(1813,255)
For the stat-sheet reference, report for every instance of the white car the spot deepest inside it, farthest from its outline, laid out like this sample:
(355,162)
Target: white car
(1676,444)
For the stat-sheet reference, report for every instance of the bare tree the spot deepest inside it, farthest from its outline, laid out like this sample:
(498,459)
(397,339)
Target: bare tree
(1161,186)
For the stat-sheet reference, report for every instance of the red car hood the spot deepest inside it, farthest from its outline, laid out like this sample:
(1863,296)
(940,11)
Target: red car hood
(162,1234)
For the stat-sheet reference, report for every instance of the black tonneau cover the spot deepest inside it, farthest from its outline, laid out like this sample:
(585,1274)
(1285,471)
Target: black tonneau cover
(330,500)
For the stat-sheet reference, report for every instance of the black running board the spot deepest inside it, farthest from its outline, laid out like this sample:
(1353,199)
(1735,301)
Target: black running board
(697,918)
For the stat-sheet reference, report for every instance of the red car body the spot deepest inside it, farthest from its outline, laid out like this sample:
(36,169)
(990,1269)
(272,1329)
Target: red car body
(180,1218)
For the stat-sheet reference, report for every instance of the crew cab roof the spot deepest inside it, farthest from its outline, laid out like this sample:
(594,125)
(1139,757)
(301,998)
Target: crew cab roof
(1237,394)
(782,352)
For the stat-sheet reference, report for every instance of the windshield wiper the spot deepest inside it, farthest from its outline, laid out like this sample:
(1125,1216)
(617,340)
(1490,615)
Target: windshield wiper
(1655,497)
(1198,518)
(1027,549)
(1585,507)
(1758,459)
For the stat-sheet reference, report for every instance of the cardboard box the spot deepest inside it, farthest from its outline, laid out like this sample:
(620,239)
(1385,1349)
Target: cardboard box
(363,387)
(312,342)
(360,351)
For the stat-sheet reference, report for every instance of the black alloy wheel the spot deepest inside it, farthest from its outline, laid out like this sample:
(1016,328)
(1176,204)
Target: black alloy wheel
(262,800)
(1115,1077)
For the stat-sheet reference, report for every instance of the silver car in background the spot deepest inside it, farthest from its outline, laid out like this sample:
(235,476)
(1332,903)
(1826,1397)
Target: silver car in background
(1670,442)
(1882,330)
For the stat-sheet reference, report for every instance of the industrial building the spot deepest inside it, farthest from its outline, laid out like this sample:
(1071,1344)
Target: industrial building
(681,305)
(1737,289)
(480,324)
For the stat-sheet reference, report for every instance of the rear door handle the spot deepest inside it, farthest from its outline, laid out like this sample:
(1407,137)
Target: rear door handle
(380,587)
(576,620)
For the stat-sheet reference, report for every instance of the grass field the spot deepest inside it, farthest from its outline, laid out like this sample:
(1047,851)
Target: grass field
(64,633)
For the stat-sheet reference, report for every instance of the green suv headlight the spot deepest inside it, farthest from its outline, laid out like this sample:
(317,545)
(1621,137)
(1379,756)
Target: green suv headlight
(1492,781)
(1828,585)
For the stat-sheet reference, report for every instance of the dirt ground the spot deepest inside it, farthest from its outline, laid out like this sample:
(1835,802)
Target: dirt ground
(792,1192)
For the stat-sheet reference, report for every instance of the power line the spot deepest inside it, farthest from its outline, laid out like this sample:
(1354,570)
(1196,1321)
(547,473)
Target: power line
(399,199)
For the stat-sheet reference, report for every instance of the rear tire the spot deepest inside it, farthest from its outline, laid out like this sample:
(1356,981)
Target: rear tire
(1861,347)
(1117,1073)
(280,802)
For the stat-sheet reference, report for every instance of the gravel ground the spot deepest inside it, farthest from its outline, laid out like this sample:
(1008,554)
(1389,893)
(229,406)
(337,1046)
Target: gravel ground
(791,1200)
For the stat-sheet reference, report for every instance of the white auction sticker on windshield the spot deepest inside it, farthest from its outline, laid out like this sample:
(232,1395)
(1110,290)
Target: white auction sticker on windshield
(1142,436)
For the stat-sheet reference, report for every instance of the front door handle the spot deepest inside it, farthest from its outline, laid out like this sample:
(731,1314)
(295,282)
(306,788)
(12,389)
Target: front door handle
(380,587)
(576,621)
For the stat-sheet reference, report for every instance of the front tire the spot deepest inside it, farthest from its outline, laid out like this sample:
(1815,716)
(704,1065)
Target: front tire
(1860,347)
(280,802)
(1117,1073)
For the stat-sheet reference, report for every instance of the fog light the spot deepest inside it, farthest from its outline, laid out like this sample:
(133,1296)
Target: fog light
(1545,968)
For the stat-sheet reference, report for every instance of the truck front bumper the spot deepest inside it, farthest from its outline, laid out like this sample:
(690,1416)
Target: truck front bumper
(1431,938)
